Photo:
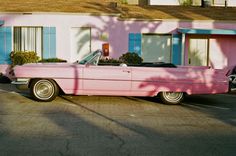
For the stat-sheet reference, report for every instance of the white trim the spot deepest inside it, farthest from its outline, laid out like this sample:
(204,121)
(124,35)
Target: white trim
(12,38)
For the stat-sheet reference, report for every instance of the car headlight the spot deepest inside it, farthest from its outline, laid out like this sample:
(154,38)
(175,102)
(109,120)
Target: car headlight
(22,79)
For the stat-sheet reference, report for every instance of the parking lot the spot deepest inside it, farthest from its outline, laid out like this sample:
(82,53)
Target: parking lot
(101,125)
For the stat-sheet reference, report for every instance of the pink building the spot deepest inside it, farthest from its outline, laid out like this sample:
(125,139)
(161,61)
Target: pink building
(70,36)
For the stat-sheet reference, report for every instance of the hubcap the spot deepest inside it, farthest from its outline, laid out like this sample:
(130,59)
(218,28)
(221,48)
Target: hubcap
(173,96)
(43,89)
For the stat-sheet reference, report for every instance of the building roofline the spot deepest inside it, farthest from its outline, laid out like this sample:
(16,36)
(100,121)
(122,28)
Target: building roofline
(62,13)
(119,17)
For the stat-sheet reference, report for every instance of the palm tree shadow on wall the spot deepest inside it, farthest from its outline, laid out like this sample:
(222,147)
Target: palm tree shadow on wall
(82,41)
(194,58)
(160,45)
(118,30)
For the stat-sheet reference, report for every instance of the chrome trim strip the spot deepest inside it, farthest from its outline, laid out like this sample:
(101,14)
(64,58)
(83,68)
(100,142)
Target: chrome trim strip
(20,82)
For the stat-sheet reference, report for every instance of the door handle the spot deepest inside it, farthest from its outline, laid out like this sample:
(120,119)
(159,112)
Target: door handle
(127,71)
(189,61)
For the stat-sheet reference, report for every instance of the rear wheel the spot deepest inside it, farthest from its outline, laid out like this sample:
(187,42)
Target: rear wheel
(44,90)
(172,98)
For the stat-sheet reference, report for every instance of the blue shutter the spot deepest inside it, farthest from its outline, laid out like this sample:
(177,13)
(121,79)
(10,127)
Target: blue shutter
(131,42)
(49,42)
(2,45)
(46,42)
(5,44)
(135,43)
(138,44)
(53,42)
(176,48)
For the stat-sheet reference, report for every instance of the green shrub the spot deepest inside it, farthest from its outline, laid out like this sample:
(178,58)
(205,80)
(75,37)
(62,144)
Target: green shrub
(109,61)
(52,60)
(131,58)
(23,57)
(186,2)
(124,1)
(128,58)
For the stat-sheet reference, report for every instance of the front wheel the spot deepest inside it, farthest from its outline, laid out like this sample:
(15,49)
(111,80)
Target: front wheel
(172,98)
(44,90)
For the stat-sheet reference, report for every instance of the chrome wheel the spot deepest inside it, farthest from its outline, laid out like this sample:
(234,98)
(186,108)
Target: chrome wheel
(172,97)
(44,90)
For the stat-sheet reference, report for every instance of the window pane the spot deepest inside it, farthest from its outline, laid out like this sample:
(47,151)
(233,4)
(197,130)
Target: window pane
(17,39)
(28,39)
(198,51)
(38,40)
(156,48)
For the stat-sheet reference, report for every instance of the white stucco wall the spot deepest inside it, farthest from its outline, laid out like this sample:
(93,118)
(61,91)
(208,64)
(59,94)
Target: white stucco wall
(164,2)
(230,3)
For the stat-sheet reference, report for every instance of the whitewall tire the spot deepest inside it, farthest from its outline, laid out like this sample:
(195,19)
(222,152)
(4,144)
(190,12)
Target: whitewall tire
(44,90)
(172,98)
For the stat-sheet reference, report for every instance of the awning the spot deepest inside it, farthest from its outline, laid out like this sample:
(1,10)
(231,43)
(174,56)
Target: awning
(207,31)
(1,22)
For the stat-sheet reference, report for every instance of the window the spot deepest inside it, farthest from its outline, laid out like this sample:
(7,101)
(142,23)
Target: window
(80,42)
(28,39)
(198,53)
(156,48)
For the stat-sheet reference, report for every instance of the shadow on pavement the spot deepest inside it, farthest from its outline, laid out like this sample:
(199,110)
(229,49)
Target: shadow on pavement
(8,87)
(145,99)
(220,106)
(11,88)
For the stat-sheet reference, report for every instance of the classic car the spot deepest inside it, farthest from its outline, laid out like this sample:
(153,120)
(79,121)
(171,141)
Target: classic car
(87,77)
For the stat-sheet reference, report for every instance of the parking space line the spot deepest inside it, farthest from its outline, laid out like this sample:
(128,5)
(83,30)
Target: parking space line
(206,106)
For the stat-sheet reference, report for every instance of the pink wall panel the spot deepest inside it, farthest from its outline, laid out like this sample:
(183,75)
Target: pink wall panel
(222,51)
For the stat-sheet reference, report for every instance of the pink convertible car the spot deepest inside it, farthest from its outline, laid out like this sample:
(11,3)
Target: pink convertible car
(88,77)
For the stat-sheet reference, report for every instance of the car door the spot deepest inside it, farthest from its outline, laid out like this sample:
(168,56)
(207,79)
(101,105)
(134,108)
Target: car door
(106,80)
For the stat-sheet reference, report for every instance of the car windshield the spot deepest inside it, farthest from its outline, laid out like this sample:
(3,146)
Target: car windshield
(91,58)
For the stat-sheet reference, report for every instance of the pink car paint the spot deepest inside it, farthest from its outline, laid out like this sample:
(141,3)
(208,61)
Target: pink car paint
(80,79)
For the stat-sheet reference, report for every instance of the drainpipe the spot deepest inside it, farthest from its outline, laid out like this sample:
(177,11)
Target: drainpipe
(226,3)
(202,3)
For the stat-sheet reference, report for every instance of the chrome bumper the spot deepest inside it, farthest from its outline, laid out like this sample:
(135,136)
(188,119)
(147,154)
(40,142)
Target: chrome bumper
(232,83)
(21,85)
